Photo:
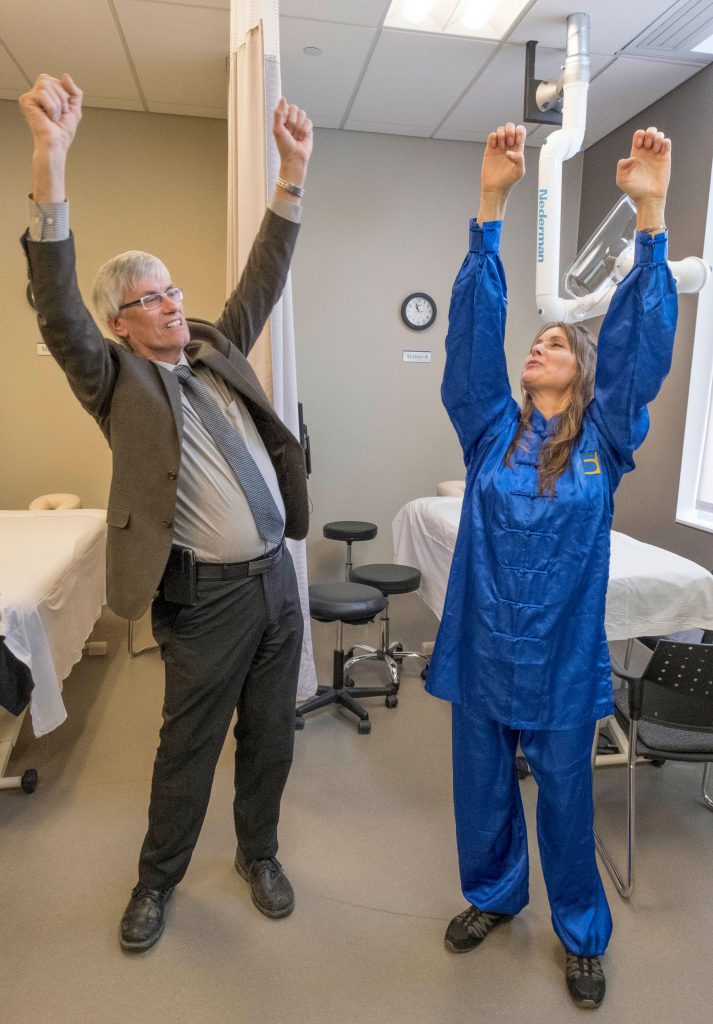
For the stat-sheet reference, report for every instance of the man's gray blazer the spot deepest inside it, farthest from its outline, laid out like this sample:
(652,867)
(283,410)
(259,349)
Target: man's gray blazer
(137,403)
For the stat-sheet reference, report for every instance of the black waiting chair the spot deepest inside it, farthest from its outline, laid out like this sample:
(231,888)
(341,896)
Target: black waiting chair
(389,579)
(668,714)
(354,604)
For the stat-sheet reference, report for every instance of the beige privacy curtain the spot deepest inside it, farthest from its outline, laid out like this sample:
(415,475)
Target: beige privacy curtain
(255,89)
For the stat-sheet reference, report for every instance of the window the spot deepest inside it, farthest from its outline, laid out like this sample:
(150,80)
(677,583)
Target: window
(695,492)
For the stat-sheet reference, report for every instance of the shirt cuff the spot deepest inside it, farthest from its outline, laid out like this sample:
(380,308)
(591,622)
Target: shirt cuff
(49,222)
(284,208)
(485,237)
(651,248)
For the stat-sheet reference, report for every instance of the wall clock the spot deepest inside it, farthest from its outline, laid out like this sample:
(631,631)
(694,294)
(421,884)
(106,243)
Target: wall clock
(418,311)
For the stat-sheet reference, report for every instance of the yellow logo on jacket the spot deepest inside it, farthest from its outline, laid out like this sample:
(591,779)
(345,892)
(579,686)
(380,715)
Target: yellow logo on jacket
(590,461)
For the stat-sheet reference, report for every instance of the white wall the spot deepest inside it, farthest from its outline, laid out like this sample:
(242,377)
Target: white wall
(384,216)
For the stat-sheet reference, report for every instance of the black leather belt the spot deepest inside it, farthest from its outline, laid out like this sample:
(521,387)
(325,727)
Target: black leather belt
(237,570)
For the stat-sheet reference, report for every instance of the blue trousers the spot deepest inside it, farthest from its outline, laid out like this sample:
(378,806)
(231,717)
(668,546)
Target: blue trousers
(490,825)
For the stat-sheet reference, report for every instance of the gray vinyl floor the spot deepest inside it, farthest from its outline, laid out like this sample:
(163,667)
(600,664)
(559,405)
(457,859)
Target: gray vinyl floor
(367,840)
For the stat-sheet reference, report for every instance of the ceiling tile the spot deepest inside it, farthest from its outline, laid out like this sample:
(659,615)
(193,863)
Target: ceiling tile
(179,52)
(498,94)
(11,78)
(363,12)
(457,135)
(613,23)
(413,78)
(322,85)
(628,86)
(67,36)
(326,122)
(91,99)
(390,129)
(534,136)
(187,110)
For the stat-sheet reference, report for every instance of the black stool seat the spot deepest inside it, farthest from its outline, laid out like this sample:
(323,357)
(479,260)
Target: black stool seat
(389,579)
(349,530)
(345,602)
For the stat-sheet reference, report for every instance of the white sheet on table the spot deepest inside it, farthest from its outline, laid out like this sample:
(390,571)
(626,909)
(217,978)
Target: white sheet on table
(52,588)
(651,591)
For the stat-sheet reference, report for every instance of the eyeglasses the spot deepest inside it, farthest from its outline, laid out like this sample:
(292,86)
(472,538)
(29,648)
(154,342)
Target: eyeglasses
(154,299)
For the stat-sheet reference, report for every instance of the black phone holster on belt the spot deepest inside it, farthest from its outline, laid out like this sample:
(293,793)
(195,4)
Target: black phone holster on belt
(178,584)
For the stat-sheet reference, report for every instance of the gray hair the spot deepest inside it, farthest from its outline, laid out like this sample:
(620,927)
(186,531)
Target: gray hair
(122,274)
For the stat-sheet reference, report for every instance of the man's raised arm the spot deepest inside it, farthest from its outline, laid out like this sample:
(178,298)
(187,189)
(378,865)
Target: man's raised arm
(53,109)
(263,279)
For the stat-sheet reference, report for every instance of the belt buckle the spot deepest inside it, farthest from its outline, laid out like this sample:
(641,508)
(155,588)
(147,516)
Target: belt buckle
(261,565)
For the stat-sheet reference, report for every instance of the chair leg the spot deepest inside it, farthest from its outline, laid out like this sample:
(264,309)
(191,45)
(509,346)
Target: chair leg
(707,798)
(337,694)
(391,654)
(400,655)
(359,657)
(595,744)
(325,695)
(389,691)
(625,887)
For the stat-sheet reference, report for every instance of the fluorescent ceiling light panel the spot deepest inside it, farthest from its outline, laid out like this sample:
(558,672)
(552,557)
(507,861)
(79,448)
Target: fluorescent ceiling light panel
(416,11)
(481,19)
(705,47)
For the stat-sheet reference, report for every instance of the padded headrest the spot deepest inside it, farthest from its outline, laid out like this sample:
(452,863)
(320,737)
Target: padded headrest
(50,502)
(451,489)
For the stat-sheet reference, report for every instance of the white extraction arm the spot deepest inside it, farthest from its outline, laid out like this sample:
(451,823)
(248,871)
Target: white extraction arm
(609,255)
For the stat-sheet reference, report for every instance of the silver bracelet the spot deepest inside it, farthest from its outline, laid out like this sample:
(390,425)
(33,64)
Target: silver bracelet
(294,190)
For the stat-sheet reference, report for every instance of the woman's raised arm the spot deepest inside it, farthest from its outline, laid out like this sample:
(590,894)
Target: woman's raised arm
(636,338)
(476,389)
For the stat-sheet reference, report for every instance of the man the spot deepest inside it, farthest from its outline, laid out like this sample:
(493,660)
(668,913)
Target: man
(206,483)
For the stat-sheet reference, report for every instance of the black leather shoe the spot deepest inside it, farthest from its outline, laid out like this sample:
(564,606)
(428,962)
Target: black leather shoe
(143,918)
(269,886)
(585,980)
(468,929)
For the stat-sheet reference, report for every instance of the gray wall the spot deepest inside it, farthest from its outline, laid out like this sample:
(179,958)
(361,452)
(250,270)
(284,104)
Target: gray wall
(385,216)
(646,500)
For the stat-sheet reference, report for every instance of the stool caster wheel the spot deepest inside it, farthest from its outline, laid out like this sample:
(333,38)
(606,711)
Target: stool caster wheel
(364,726)
(522,767)
(29,781)
(348,681)
(299,722)
(391,701)
(394,651)
(658,762)
(424,673)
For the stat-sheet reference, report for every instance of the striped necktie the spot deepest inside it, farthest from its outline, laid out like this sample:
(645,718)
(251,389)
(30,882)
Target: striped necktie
(231,446)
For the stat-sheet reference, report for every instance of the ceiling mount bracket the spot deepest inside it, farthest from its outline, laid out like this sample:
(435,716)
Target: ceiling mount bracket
(543,98)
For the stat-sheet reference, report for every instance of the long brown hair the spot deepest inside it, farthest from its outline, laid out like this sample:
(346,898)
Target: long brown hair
(557,450)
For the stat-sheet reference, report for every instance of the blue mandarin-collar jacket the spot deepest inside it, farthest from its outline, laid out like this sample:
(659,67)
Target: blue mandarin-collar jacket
(522,636)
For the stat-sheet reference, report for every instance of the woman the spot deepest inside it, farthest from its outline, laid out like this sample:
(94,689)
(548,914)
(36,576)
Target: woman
(521,652)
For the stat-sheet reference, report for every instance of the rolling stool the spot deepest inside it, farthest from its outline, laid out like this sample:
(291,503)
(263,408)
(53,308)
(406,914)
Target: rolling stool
(389,579)
(355,604)
(349,530)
